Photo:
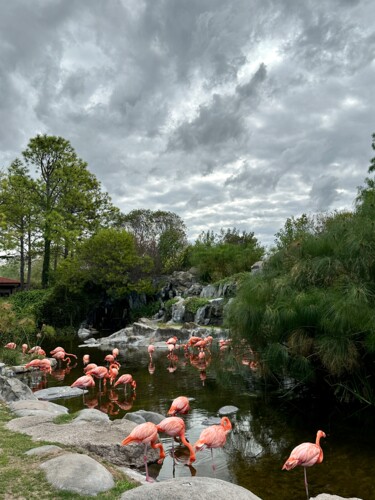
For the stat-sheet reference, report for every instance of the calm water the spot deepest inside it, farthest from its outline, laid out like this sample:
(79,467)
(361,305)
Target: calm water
(265,430)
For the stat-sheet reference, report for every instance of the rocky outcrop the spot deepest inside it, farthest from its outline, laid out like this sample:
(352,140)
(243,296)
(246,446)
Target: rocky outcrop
(31,408)
(202,488)
(12,389)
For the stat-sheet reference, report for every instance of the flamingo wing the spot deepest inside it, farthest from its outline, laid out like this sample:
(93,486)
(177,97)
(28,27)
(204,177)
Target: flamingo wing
(173,426)
(305,454)
(143,433)
(212,437)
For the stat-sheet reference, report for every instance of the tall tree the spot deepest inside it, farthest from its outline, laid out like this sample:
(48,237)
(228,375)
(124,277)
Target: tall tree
(71,203)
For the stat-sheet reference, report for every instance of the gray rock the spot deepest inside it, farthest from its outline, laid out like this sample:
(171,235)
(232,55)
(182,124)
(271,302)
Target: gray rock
(211,421)
(134,417)
(29,408)
(59,392)
(151,416)
(44,450)
(227,410)
(78,473)
(91,415)
(197,488)
(2,366)
(101,438)
(326,496)
(12,389)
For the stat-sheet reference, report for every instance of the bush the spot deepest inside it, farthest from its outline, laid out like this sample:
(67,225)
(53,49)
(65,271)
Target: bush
(192,304)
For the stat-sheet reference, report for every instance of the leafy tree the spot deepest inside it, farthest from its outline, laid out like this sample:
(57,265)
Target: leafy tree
(294,230)
(20,216)
(69,198)
(159,234)
(221,255)
(109,262)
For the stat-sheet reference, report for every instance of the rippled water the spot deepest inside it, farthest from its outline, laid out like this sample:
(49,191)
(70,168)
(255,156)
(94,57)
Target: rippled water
(265,429)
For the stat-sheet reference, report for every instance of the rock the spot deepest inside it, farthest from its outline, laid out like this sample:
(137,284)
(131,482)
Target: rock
(134,417)
(91,415)
(2,366)
(199,488)
(325,496)
(209,292)
(151,416)
(78,473)
(44,450)
(29,408)
(59,392)
(211,421)
(227,410)
(12,389)
(101,438)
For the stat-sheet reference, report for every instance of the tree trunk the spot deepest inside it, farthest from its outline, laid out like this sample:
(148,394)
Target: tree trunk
(22,257)
(28,279)
(46,262)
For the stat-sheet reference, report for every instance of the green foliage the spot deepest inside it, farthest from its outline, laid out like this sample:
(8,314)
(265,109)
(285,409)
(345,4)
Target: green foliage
(146,311)
(192,304)
(168,306)
(11,357)
(309,315)
(221,255)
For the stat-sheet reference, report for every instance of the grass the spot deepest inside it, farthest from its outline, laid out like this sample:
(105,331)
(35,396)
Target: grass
(21,478)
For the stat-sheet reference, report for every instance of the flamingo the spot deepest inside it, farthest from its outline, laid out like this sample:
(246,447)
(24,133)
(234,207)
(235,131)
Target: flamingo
(214,436)
(84,382)
(126,379)
(146,433)
(115,352)
(306,455)
(56,349)
(179,405)
(175,426)
(86,359)
(24,348)
(99,372)
(112,372)
(10,345)
(89,367)
(43,364)
(151,350)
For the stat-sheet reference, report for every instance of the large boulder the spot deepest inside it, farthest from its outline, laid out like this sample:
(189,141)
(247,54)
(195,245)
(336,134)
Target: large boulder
(78,473)
(199,488)
(30,408)
(101,438)
(12,389)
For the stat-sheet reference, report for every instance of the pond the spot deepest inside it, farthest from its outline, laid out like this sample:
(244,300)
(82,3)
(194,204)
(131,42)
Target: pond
(265,429)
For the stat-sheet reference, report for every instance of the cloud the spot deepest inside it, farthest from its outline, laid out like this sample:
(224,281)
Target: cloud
(231,114)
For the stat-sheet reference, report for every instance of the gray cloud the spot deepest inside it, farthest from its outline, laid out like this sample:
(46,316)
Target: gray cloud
(228,113)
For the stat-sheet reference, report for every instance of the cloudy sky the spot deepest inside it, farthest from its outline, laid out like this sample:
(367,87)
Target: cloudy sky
(229,113)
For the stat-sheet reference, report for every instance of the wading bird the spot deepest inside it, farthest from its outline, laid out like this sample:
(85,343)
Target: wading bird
(84,382)
(42,364)
(146,434)
(214,436)
(175,427)
(179,405)
(126,379)
(306,455)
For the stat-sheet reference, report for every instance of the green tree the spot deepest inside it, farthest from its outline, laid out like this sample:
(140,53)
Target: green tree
(69,198)
(159,234)
(20,216)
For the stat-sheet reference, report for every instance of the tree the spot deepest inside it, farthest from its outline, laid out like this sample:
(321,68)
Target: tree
(17,201)
(108,261)
(294,230)
(70,202)
(161,235)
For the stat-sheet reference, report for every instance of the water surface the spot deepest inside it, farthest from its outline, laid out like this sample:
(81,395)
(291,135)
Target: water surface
(265,429)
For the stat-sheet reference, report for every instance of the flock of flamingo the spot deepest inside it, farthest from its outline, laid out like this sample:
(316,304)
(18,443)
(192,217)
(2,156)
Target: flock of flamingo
(214,436)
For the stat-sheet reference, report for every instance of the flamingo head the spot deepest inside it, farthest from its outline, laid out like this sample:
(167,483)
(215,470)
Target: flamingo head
(225,422)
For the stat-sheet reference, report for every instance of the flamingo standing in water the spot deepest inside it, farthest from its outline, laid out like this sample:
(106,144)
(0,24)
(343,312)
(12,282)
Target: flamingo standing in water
(179,405)
(86,359)
(151,350)
(126,379)
(306,455)
(175,426)
(42,364)
(214,436)
(100,372)
(146,434)
(83,383)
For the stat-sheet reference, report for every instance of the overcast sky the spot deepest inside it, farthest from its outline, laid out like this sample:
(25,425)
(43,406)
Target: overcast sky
(229,113)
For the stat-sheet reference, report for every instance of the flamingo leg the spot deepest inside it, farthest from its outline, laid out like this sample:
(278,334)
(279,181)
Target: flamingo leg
(213,463)
(306,485)
(148,478)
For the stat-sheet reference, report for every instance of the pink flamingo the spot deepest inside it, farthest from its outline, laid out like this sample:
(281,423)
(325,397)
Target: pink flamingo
(175,426)
(42,364)
(115,352)
(24,348)
(214,436)
(151,350)
(306,455)
(10,345)
(126,379)
(84,382)
(86,359)
(146,434)
(100,372)
(89,367)
(179,405)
